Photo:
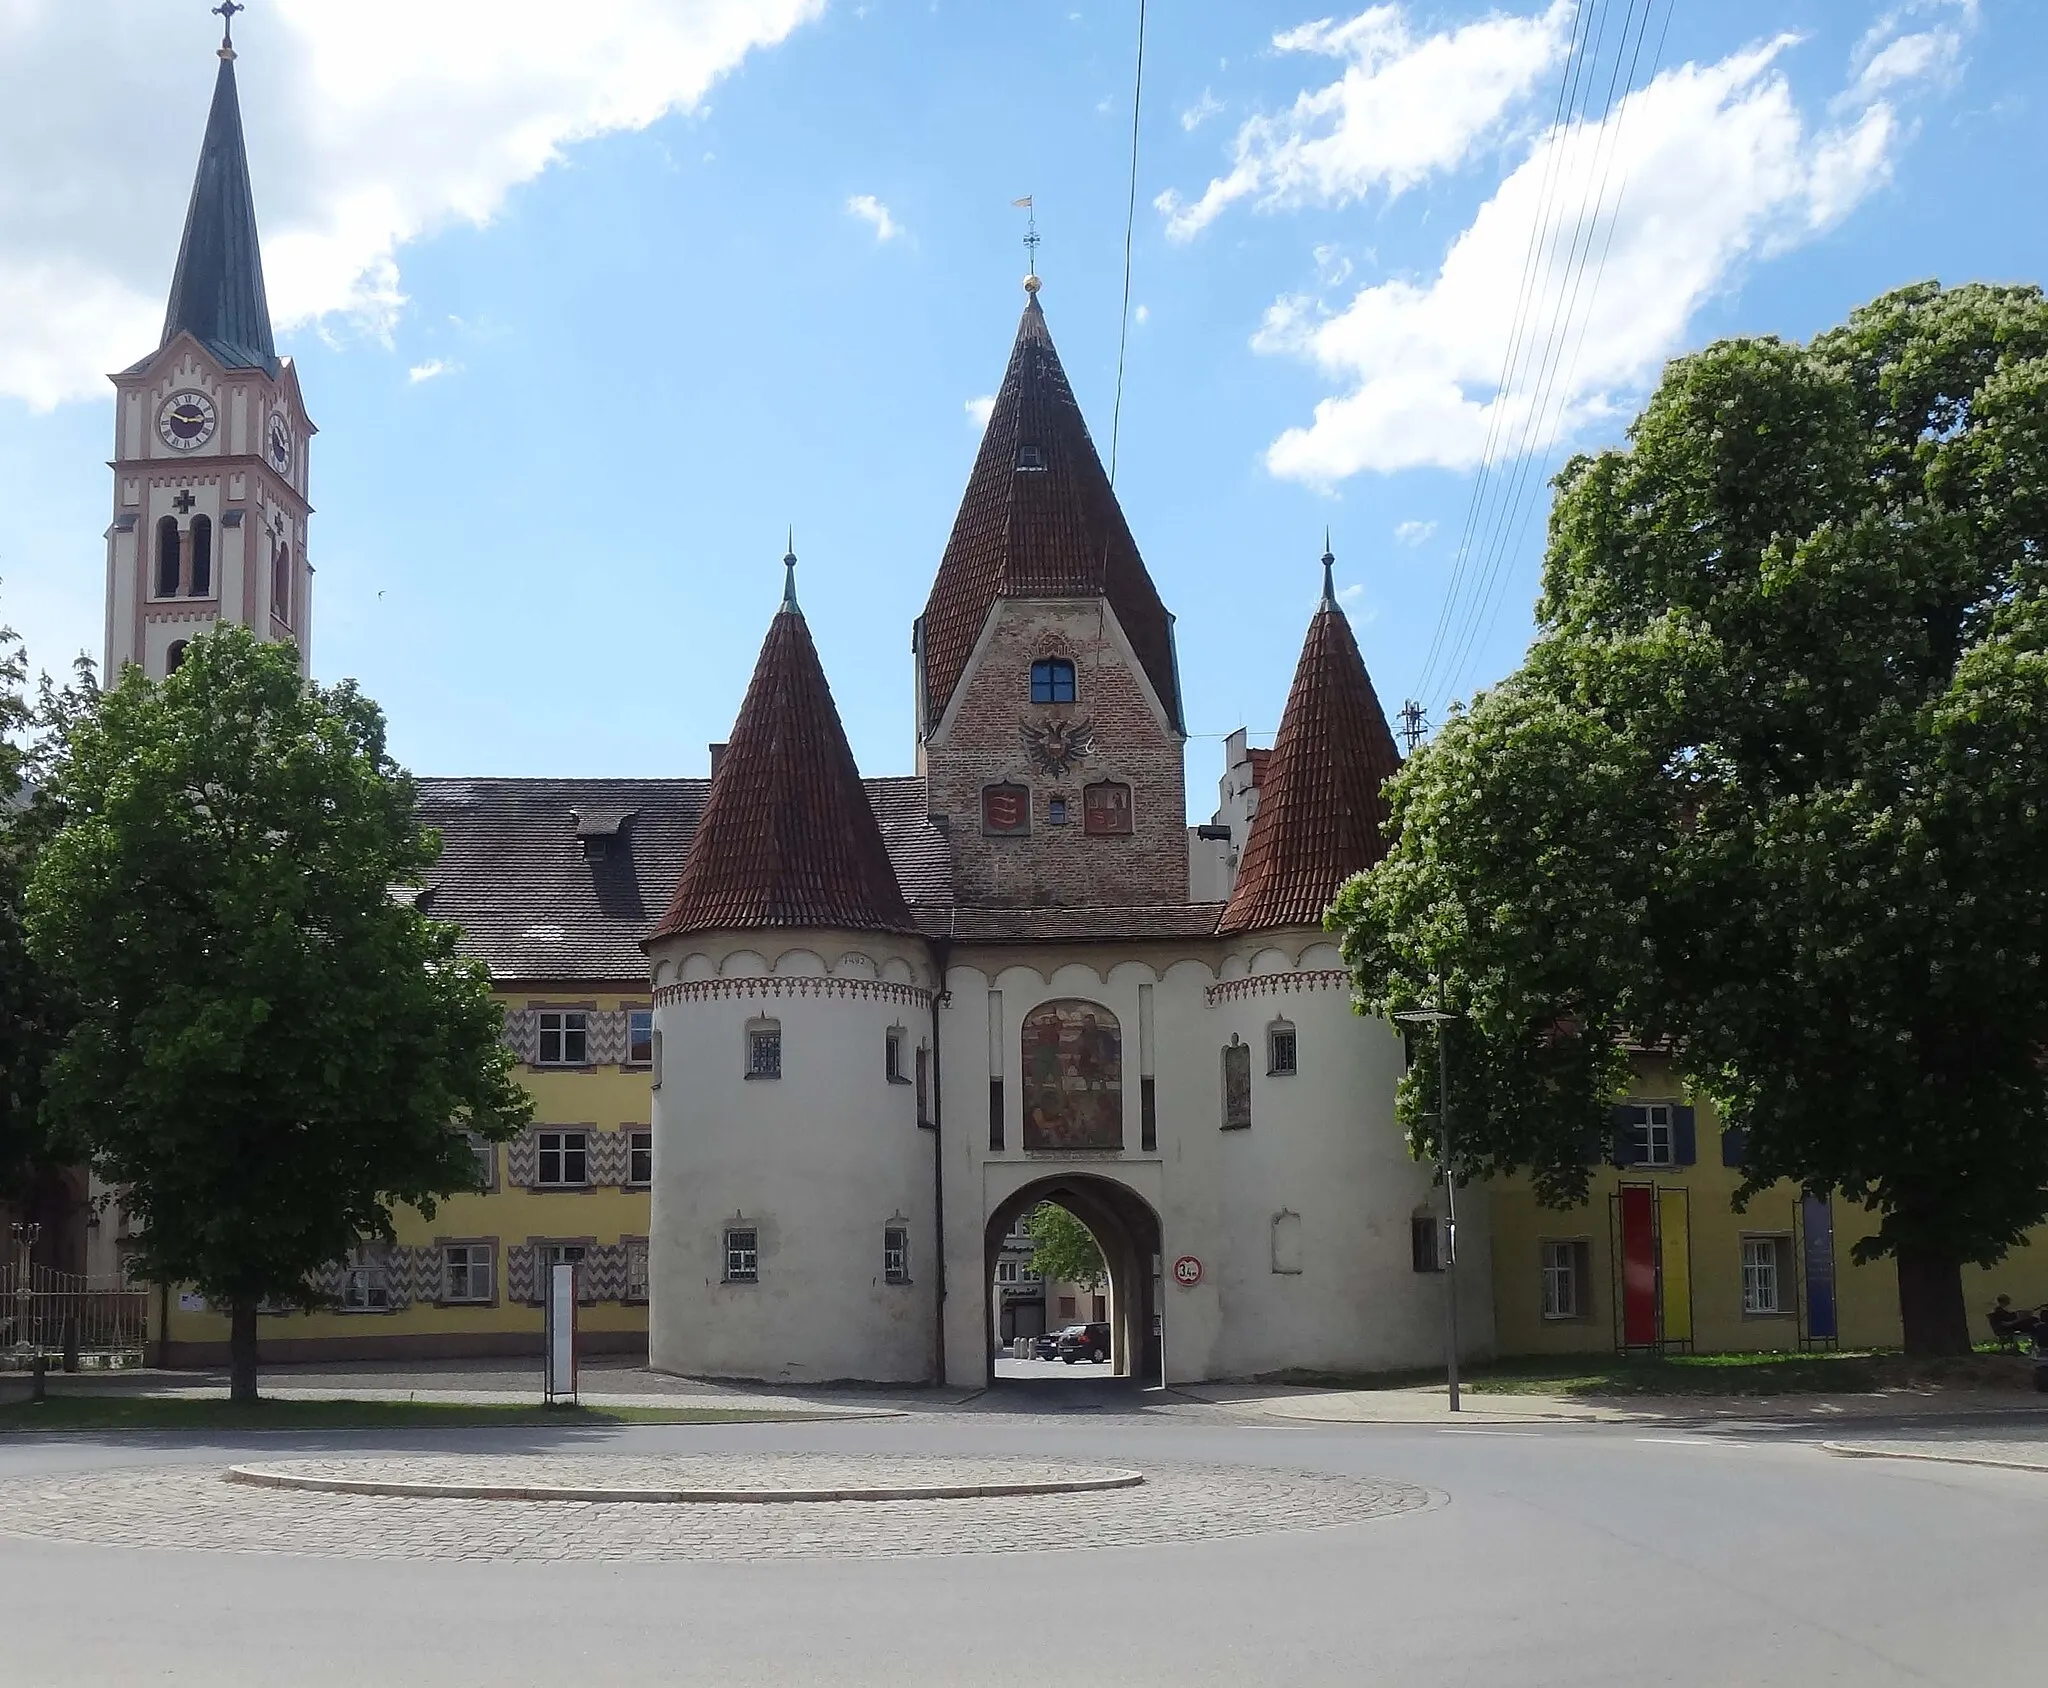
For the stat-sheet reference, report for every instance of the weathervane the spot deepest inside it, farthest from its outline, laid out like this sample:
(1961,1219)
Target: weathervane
(1030,242)
(789,571)
(226,11)
(1329,570)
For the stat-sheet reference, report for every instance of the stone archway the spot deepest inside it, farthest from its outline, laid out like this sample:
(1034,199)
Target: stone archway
(1128,1231)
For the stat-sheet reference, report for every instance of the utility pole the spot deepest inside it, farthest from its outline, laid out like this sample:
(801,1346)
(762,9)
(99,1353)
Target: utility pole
(1441,1020)
(1414,725)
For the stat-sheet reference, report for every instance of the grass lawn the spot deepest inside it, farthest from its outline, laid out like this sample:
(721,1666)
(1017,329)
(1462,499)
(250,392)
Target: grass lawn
(146,1412)
(1819,1373)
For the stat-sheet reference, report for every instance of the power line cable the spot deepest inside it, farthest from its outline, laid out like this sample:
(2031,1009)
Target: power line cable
(1485,607)
(1123,336)
(1567,82)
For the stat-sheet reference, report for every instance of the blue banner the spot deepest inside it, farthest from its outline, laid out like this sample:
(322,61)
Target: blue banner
(1817,1242)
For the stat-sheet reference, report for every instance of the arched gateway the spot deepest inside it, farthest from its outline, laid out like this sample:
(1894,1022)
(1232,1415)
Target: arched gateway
(1127,1229)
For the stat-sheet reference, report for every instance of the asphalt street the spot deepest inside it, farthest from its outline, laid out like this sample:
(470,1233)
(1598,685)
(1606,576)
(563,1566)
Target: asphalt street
(1581,1554)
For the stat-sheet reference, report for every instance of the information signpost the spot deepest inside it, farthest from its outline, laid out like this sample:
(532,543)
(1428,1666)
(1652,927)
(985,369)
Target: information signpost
(560,1380)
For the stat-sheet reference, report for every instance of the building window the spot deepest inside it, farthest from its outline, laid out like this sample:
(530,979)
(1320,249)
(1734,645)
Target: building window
(1006,1271)
(636,1268)
(547,1256)
(1006,811)
(1052,680)
(174,658)
(1030,457)
(366,1283)
(924,1080)
(1106,809)
(742,1255)
(896,1254)
(764,1050)
(466,1272)
(167,557)
(486,1163)
(1101,1308)
(1650,1134)
(1237,1085)
(1567,1274)
(640,1157)
(281,584)
(1056,811)
(892,1056)
(202,558)
(1066,1307)
(1425,1239)
(639,1037)
(1766,1274)
(564,1160)
(564,1038)
(1281,1051)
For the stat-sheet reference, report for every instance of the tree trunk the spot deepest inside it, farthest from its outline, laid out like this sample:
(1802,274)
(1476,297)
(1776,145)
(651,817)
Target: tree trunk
(1931,1304)
(242,1349)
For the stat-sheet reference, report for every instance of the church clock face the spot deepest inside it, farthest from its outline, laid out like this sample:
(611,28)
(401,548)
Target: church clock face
(186,421)
(280,443)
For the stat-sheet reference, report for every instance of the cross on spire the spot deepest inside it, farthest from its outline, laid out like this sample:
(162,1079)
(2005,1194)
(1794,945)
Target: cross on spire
(226,11)
(1031,239)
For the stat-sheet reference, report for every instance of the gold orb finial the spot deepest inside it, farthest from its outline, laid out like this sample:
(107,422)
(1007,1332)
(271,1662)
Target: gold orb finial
(1032,284)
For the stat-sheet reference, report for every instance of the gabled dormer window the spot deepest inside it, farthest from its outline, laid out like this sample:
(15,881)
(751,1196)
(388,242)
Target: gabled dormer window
(1030,457)
(1052,680)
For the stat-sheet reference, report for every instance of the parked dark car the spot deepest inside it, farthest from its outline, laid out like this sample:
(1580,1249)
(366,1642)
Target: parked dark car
(1082,1342)
(1046,1347)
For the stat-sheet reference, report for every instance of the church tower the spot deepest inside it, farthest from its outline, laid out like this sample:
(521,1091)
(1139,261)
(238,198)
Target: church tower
(210,439)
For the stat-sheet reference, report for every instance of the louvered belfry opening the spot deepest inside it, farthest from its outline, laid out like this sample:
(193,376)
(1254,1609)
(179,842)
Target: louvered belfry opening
(1321,815)
(789,836)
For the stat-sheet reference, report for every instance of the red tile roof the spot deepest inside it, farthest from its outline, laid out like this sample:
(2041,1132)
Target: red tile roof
(1320,809)
(789,837)
(1051,532)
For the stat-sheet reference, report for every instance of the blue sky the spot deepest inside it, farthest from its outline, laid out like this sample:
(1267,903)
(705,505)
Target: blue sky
(585,323)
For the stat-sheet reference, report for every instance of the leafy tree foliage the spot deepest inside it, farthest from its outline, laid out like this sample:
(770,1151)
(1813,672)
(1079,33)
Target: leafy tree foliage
(272,1050)
(1771,785)
(1063,1249)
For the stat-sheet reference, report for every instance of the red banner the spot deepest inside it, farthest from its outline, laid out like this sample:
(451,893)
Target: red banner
(1638,1266)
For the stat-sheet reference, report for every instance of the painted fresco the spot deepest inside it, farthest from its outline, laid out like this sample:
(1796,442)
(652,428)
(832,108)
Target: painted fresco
(1073,1077)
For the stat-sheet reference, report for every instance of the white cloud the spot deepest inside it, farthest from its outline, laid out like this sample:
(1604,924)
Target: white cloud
(1201,111)
(1890,54)
(432,369)
(364,134)
(1719,167)
(875,214)
(1404,108)
(979,410)
(1143,313)
(1414,533)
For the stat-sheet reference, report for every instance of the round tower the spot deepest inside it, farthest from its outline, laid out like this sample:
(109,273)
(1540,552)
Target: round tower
(1312,1081)
(793,1233)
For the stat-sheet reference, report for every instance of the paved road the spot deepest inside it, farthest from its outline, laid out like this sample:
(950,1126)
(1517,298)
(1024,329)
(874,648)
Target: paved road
(1583,1555)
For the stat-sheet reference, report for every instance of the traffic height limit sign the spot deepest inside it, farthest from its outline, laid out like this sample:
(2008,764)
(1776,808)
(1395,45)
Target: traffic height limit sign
(1187,1271)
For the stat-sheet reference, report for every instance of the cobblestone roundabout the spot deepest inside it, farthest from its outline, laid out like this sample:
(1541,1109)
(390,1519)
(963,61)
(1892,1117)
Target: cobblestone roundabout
(195,1507)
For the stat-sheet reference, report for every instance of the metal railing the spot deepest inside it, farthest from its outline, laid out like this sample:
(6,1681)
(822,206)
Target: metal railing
(70,1320)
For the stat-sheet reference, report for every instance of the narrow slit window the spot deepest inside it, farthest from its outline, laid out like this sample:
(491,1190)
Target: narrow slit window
(202,558)
(167,557)
(896,1254)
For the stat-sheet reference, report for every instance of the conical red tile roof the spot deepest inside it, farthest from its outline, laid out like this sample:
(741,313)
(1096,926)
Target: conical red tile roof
(1050,532)
(789,837)
(1320,811)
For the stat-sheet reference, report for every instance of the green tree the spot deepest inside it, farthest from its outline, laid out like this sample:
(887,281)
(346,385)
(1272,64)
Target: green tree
(273,1049)
(1770,786)
(1063,1250)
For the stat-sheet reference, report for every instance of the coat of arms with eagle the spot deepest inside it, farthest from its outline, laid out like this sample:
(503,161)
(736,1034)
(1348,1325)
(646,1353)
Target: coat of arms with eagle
(1056,746)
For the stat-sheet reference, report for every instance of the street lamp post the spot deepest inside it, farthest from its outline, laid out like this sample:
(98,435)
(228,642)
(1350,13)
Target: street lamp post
(1438,1018)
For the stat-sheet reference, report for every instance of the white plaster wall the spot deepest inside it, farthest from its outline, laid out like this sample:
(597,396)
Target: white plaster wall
(818,1161)
(1325,1150)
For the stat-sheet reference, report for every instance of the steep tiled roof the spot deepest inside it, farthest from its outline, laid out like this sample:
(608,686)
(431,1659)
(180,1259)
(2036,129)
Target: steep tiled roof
(1320,809)
(217,288)
(1054,531)
(788,837)
(514,875)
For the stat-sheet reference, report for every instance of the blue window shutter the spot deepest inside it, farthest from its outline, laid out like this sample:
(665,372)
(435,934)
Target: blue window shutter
(1684,1137)
(1734,1145)
(1621,1128)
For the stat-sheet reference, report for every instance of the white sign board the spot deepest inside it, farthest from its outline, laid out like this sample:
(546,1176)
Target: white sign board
(561,1332)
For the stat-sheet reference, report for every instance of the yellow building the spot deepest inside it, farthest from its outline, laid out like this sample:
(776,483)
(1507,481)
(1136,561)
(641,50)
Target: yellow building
(553,883)
(1657,1256)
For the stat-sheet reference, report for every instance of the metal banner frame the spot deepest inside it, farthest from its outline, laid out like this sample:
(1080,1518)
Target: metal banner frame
(558,1382)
